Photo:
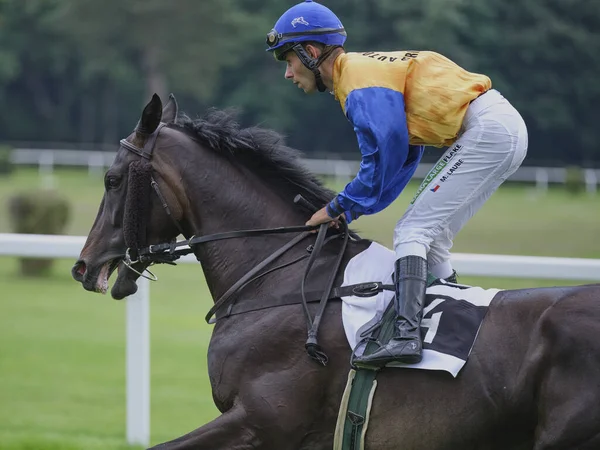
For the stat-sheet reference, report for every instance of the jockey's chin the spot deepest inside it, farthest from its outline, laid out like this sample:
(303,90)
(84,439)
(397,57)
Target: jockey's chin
(306,84)
(308,88)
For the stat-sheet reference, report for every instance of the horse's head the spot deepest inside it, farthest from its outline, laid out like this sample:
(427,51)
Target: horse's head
(140,194)
(174,175)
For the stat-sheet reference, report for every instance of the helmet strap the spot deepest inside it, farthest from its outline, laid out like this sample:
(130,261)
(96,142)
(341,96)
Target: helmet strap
(312,64)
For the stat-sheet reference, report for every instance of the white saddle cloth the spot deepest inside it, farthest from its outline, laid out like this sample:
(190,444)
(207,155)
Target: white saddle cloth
(439,353)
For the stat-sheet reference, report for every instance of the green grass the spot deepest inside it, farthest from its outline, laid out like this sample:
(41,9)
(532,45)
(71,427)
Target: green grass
(62,355)
(62,360)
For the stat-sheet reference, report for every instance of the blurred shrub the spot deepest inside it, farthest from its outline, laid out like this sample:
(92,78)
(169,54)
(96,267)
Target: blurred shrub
(38,212)
(6,166)
(574,180)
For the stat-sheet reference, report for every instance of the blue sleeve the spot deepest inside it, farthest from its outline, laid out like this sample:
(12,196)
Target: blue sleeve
(379,120)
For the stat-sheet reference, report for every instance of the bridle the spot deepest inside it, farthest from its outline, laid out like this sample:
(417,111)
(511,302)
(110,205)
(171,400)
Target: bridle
(146,153)
(171,251)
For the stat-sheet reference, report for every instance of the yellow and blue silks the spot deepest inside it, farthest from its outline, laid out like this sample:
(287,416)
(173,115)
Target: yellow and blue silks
(397,102)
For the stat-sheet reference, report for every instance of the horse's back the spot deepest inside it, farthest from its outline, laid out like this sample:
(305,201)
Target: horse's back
(532,381)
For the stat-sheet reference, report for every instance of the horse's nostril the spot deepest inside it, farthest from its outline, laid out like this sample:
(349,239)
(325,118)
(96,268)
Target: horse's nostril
(78,270)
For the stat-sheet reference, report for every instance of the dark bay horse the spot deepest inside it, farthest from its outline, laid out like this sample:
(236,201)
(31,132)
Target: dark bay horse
(533,377)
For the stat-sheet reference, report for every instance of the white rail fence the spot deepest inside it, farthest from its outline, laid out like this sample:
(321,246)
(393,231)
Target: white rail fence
(97,161)
(138,309)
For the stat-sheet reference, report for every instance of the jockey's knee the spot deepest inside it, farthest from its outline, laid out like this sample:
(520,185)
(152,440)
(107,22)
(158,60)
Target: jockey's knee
(410,236)
(415,247)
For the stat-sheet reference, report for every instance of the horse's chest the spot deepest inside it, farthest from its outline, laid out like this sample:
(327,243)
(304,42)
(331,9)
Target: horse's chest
(225,371)
(253,350)
(233,360)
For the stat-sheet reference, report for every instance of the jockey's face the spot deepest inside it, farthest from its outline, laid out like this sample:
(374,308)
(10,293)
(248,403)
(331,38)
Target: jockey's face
(299,74)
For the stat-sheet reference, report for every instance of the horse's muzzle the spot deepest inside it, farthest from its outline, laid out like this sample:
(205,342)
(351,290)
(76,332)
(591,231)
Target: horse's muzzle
(94,278)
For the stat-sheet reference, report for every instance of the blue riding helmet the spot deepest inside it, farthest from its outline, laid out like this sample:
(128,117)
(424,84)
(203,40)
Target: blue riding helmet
(306,21)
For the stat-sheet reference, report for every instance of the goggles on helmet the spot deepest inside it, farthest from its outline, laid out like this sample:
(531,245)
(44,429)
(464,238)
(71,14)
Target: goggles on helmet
(277,41)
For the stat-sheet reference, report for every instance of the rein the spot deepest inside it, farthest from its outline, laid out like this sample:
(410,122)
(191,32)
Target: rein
(169,252)
(146,253)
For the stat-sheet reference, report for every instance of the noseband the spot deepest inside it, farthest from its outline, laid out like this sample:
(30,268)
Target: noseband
(170,252)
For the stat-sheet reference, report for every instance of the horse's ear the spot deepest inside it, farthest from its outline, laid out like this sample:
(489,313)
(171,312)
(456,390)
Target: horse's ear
(151,117)
(169,113)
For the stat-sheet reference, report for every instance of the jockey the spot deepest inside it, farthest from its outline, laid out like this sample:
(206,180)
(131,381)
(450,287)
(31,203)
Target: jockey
(398,102)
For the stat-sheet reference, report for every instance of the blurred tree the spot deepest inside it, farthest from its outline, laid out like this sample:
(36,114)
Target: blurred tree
(183,43)
(79,70)
(545,56)
(147,46)
(36,79)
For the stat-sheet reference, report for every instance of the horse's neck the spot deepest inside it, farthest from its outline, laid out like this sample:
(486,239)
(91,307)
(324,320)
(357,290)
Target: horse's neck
(240,205)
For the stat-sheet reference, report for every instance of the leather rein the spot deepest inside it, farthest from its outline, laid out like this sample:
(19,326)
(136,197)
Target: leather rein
(169,252)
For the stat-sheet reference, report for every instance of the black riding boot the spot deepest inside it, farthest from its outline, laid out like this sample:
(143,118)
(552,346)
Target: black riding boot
(405,346)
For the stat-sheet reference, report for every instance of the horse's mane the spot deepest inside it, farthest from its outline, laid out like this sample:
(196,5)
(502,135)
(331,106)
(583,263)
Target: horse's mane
(261,150)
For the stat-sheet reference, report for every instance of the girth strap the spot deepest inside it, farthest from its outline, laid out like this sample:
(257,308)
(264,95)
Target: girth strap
(244,305)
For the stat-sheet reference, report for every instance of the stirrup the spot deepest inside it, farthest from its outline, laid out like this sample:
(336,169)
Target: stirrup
(388,356)
(364,341)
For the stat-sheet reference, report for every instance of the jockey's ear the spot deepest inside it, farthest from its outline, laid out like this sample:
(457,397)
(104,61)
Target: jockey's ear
(313,50)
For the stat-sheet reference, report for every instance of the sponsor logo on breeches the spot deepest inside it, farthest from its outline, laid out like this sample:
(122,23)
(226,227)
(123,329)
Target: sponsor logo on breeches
(452,169)
(438,168)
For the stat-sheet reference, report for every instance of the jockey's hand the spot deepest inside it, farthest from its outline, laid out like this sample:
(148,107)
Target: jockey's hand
(321,216)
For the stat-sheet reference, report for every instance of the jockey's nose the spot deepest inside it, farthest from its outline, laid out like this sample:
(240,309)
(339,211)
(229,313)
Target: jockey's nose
(288,72)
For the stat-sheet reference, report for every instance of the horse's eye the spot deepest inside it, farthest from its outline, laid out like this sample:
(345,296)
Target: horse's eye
(111,182)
